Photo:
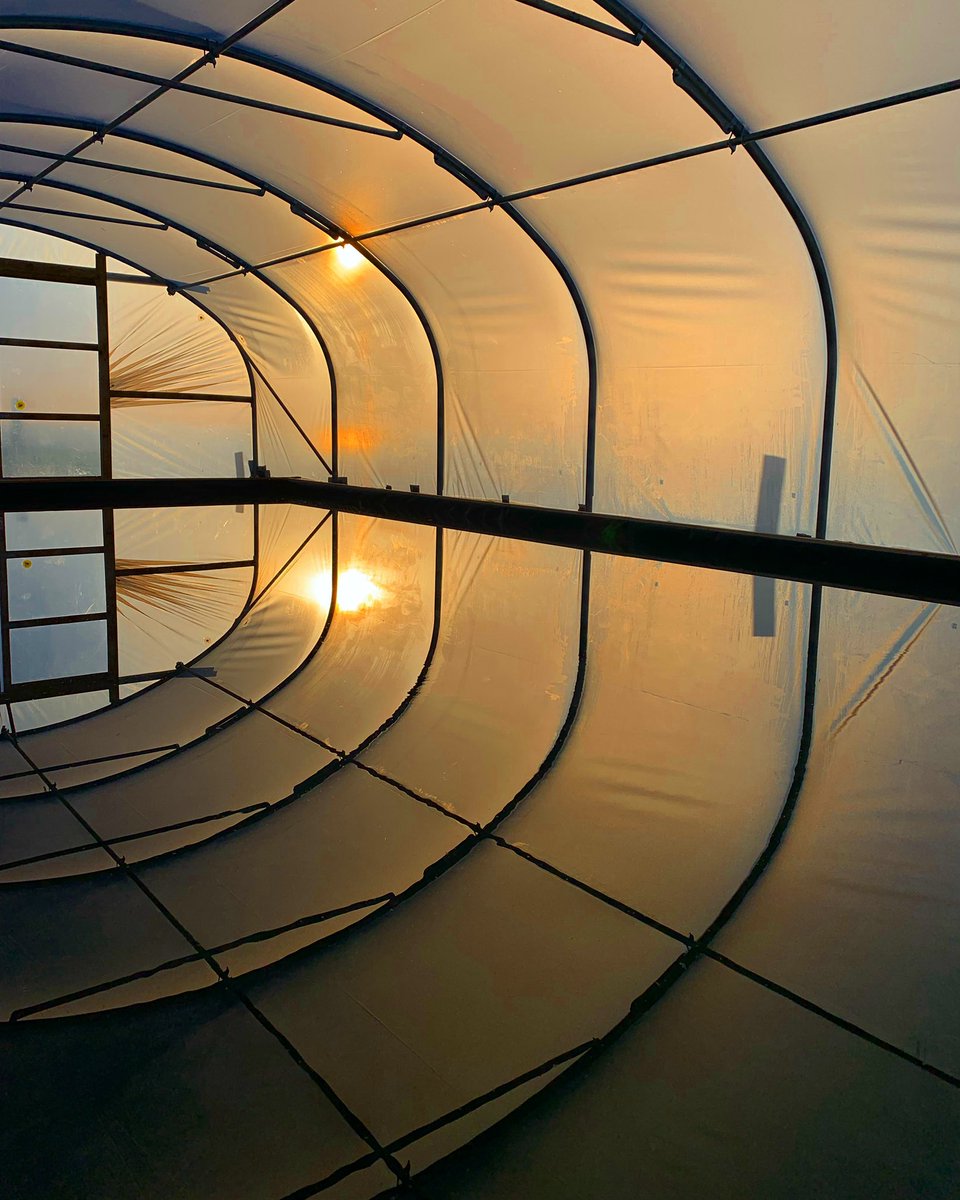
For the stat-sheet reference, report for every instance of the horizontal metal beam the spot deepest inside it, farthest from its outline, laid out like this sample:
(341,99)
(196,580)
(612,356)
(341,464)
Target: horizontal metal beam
(16,268)
(908,573)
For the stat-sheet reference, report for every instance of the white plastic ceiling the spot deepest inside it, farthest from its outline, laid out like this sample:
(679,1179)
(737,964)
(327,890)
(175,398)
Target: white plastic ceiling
(467,837)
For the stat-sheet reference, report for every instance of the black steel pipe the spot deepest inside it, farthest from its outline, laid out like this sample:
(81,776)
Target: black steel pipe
(912,574)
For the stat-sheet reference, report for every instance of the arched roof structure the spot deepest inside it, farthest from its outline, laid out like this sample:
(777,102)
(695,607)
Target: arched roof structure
(479,631)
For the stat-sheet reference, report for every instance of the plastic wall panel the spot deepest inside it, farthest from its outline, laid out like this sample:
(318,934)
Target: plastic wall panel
(514,362)
(376,649)
(163,619)
(251,1118)
(482,80)
(283,347)
(184,439)
(282,628)
(165,343)
(251,761)
(737,1093)
(882,192)
(352,838)
(710,339)
(184,535)
(859,909)
(75,934)
(386,377)
(500,684)
(529,966)
(684,746)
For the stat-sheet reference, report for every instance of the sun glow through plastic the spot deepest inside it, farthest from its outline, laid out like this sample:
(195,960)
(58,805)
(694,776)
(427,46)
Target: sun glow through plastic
(349,257)
(355,590)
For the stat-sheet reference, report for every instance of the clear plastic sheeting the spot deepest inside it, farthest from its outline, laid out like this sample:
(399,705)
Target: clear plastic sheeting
(861,1124)
(859,911)
(515,375)
(627,808)
(332,843)
(166,618)
(35,380)
(387,381)
(181,438)
(161,343)
(500,684)
(182,535)
(710,339)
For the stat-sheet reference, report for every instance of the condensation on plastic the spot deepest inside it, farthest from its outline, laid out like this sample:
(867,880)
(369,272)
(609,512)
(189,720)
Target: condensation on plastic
(48,311)
(500,684)
(180,439)
(672,663)
(859,909)
(49,381)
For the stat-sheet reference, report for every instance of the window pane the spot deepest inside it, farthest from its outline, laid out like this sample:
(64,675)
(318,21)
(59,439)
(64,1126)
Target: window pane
(55,587)
(52,530)
(55,651)
(33,379)
(50,447)
(56,312)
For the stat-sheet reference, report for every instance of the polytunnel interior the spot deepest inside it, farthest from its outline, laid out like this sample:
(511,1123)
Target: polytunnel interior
(479,609)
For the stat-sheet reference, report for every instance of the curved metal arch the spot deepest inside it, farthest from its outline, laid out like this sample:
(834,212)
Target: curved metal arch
(440,154)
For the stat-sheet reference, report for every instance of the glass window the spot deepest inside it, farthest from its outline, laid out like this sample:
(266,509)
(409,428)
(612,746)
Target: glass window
(56,651)
(36,379)
(53,530)
(50,447)
(54,312)
(55,586)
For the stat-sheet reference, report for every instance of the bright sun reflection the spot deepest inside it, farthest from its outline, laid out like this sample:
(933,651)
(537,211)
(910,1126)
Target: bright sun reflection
(348,256)
(355,590)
